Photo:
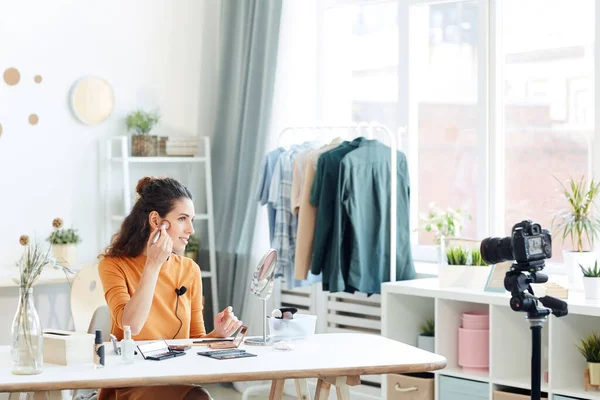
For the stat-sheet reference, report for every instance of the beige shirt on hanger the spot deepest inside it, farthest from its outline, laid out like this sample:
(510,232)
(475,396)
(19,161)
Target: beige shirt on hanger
(298,169)
(307,214)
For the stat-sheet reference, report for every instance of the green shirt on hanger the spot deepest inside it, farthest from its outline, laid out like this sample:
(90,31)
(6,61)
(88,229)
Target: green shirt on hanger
(360,248)
(323,196)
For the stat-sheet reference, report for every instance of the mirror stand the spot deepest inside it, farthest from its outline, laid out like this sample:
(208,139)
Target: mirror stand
(264,340)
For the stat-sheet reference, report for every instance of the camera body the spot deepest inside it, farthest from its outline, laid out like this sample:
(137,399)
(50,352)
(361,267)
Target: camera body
(528,245)
(530,242)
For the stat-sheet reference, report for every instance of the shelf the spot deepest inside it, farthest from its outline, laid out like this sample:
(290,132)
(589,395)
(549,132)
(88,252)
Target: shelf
(459,373)
(521,383)
(120,218)
(574,391)
(173,159)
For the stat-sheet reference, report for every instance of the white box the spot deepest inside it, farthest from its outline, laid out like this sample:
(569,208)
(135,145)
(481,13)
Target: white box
(68,347)
(303,325)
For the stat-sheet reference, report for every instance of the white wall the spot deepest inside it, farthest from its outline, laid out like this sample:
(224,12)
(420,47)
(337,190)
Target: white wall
(150,52)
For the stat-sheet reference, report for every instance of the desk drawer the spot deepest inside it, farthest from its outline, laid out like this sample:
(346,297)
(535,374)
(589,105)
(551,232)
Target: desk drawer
(405,387)
(559,397)
(462,389)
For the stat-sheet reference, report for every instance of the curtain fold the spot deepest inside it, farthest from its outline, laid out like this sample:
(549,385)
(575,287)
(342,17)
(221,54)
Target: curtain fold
(248,42)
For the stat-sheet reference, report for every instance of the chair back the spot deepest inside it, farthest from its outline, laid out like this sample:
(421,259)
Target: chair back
(88,305)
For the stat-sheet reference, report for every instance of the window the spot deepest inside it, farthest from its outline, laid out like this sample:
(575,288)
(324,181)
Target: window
(444,79)
(498,98)
(548,71)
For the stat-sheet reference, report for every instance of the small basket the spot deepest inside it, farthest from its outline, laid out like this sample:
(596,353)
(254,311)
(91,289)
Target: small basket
(303,325)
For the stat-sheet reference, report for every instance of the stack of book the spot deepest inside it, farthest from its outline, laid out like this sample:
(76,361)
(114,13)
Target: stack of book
(181,146)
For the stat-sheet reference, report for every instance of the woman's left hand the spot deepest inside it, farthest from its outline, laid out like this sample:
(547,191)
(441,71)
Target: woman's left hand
(226,323)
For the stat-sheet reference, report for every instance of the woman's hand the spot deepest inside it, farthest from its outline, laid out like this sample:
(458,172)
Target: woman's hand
(157,253)
(226,323)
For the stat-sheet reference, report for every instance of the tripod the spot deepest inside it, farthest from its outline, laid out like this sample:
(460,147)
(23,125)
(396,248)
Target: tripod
(517,281)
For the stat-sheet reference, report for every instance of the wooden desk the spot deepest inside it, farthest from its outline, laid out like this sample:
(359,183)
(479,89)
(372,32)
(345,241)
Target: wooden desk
(337,359)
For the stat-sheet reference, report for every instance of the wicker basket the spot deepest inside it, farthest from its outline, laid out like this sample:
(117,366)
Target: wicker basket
(143,145)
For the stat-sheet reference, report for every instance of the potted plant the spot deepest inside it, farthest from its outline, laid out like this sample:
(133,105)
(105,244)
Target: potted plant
(444,224)
(578,223)
(591,281)
(193,247)
(141,123)
(64,243)
(589,348)
(465,268)
(426,337)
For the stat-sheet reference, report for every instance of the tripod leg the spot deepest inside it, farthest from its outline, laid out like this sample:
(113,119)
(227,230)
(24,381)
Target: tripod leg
(536,359)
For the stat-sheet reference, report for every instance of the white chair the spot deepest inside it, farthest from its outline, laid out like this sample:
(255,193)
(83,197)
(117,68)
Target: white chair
(88,306)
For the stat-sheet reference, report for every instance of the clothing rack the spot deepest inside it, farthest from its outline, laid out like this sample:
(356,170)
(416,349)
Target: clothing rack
(361,129)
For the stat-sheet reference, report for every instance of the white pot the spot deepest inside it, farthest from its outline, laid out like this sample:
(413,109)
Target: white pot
(426,343)
(591,286)
(572,260)
(464,276)
(65,254)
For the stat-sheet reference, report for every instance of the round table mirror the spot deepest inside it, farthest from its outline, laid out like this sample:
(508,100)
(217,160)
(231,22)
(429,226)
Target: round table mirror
(262,286)
(92,100)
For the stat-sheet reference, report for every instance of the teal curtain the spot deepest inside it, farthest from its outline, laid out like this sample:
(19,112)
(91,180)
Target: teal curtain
(249,36)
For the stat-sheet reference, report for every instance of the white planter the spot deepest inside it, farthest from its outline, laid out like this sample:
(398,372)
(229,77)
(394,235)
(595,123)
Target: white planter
(464,276)
(572,260)
(65,254)
(426,343)
(591,286)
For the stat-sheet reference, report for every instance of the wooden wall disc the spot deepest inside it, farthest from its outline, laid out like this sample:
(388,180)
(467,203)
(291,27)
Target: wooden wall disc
(12,76)
(33,119)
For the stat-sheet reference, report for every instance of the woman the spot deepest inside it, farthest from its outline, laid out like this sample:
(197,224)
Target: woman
(143,280)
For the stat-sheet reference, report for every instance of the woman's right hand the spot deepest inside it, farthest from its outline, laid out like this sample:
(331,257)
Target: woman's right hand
(157,253)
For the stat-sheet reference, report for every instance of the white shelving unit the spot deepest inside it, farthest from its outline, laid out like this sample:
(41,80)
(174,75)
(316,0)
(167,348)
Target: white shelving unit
(406,305)
(126,161)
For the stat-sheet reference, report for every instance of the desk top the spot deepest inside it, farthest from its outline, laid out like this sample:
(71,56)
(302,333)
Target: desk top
(325,355)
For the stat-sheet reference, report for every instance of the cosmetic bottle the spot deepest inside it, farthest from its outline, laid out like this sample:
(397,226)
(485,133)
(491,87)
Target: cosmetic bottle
(127,346)
(98,350)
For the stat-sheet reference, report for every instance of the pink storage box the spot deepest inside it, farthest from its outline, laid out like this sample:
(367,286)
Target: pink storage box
(474,349)
(476,320)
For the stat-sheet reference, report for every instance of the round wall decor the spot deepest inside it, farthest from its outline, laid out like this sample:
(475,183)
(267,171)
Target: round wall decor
(92,100)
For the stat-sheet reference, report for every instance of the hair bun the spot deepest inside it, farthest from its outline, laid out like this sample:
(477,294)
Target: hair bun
(143,184)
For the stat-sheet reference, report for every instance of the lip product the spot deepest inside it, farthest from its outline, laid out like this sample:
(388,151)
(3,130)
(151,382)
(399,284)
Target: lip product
(98,350)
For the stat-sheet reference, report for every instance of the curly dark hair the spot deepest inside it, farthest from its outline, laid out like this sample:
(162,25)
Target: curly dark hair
(154,194)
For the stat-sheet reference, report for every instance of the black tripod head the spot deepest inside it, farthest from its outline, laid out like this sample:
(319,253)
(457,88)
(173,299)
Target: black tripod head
(518,282)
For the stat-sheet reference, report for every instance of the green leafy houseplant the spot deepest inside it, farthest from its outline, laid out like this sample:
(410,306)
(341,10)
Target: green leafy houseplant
(428,328)
(142,122)
(443,223)
(591,272)
(63,236)
(589,347)
(461,256)
(577,221)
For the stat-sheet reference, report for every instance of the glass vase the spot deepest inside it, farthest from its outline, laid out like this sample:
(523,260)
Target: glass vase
(27,347)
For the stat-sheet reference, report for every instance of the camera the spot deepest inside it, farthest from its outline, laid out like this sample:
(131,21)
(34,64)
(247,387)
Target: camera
(528,244)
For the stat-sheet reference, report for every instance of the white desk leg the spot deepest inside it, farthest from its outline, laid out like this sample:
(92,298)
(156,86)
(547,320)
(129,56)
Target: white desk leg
(277,389)
(14,396)
(302,389)
(322,391)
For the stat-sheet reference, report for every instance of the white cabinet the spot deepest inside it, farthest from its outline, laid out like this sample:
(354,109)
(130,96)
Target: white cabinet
(406,305)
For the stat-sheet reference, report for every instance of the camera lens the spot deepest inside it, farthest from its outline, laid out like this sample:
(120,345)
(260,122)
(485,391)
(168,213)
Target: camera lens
(495,250)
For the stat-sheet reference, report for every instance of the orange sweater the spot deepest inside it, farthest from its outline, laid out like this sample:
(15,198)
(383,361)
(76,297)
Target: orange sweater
(120,277)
